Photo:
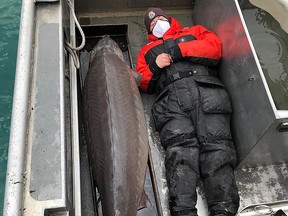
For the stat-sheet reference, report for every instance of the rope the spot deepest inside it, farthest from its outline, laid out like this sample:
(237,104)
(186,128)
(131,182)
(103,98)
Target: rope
(70,48)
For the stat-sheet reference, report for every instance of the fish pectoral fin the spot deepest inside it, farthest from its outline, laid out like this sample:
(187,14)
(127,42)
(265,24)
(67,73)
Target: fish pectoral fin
(144,201)
(137,76)
(145,207)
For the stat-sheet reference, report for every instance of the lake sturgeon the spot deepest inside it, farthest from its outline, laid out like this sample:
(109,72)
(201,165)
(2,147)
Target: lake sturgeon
(116,130)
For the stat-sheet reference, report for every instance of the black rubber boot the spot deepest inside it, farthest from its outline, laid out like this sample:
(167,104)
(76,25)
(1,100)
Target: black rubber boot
(185,213)
(222,213)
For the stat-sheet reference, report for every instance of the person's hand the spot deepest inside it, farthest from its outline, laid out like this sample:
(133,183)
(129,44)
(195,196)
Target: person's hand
(173,49)
(163,60)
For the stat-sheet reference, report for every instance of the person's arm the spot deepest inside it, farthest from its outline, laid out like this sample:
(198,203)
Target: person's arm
(143,68)
(151,71)
(205,48)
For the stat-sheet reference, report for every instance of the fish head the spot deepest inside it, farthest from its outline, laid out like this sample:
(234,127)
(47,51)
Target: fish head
(107,45)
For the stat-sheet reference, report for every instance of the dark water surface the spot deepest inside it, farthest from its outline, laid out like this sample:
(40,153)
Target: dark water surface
(9,28)
(271,45)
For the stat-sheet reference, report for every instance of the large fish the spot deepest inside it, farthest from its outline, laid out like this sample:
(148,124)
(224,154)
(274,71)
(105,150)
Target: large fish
(116,130)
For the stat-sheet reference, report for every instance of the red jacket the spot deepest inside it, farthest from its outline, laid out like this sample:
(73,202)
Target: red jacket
(203,47)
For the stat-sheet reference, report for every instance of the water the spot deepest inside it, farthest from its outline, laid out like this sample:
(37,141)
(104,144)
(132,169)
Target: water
(271,45)
(9,26)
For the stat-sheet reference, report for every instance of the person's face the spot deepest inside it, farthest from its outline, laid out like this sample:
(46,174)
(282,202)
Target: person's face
(153,23)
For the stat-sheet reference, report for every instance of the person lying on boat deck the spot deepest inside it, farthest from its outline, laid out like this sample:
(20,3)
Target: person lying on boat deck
(191,113)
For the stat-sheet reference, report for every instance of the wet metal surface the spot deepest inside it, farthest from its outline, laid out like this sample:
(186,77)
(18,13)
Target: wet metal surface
(262,184)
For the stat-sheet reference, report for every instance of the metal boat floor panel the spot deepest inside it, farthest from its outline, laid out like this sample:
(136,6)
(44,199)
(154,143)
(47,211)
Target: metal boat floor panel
(265,184)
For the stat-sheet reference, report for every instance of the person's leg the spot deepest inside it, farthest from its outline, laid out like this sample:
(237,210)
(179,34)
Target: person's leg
(178,137)
(217,155)
(218,178)
(182,165)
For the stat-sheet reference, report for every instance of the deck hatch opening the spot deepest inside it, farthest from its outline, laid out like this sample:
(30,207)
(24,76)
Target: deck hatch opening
(94,33)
